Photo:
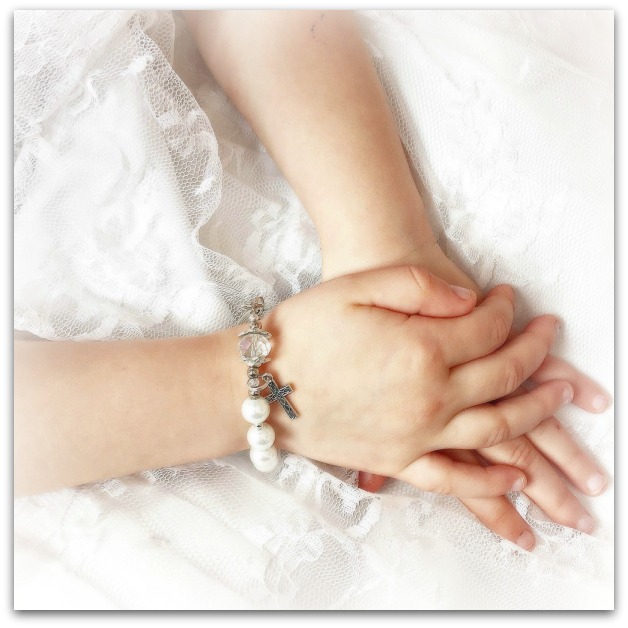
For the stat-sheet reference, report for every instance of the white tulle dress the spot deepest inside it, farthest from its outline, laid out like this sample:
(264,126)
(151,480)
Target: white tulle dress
(146,207)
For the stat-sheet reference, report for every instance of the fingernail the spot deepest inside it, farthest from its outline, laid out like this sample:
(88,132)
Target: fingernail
(567,394)
(557,330)
(463,293)
(596,483)
(366,478)
(518,485)
(526,540)
(599,402)
(585,523)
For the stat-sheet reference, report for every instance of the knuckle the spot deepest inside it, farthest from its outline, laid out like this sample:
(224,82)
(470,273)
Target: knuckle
(439,477)
(563,497)
(500,328)
(422,277)
(430,356)
(429,409)
(498,432)
(443,486)
(513,375)
(547,426)
(524,454)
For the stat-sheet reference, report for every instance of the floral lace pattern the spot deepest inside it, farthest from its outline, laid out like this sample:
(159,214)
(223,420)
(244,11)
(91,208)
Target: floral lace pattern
(146,207)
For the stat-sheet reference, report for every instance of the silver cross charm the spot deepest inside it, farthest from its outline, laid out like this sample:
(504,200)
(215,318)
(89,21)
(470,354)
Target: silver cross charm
(279,394)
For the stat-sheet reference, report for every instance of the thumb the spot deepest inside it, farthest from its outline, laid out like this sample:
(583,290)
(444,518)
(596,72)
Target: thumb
(409,290)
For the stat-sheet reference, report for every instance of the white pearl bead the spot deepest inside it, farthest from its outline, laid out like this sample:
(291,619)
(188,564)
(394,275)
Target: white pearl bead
(266,460)
(255,411)
(261,436)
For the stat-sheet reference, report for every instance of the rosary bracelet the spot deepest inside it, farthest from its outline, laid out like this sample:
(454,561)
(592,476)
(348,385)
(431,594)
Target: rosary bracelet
(254,348)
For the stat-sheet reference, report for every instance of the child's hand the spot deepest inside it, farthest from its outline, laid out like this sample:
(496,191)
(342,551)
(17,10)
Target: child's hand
(380,384)
(539,454)
(382,221)
(544,486)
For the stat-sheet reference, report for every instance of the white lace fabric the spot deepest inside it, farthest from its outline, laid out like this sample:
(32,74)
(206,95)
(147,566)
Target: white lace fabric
(145,207)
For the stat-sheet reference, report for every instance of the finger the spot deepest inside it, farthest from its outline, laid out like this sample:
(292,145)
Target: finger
(587,394)
(497,375)
(370,481)
(545,487)
(490,424)
(437,472)
(496,513)
(479,333)
(559,448)
(500,516)
(407,289)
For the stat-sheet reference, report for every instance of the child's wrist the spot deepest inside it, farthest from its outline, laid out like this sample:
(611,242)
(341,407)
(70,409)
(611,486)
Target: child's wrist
(221,360)
(361,253)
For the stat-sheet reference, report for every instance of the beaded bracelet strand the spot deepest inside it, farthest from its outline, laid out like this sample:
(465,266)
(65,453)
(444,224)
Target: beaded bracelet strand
(254,348)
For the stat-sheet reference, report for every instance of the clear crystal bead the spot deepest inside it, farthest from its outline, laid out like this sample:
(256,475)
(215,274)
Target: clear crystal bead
(254,348)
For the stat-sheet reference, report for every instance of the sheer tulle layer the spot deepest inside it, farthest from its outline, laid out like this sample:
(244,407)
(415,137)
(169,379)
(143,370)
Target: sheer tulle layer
(145,207)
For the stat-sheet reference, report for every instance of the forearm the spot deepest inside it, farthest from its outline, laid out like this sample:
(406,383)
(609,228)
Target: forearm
(87,411)
(305,82)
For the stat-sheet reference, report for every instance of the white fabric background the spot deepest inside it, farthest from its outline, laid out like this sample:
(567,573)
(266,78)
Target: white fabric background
(145,207)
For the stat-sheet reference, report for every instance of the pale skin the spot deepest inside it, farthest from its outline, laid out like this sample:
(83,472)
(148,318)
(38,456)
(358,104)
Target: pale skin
(88,411)
(132,414)
(305,82)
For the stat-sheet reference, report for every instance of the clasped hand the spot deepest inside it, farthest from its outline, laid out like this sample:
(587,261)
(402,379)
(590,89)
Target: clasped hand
(392,365)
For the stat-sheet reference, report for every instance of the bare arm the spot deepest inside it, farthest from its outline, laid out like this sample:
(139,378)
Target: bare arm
(305,82)
(93,410)
(87,411)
